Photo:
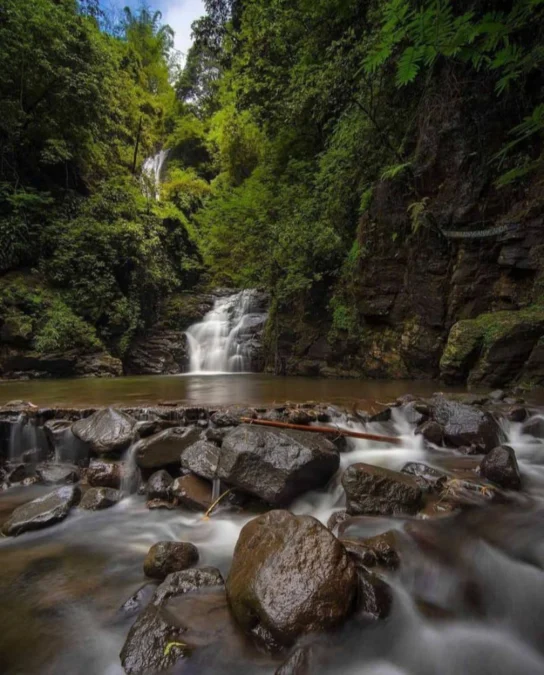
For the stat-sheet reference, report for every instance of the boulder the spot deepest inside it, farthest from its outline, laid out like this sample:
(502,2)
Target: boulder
(431,432)
(192,492)
(57,474)
(202,459)
(289,577)
(534,426)
(106,431)
(465,424)
(102,473)
(167,557)
(374,490)
(42,512)
(276,465)
(100,498)
(500,466)
(159,485)
(165,448)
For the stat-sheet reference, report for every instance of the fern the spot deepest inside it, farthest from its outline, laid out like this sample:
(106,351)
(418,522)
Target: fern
(395,170)
(416,210)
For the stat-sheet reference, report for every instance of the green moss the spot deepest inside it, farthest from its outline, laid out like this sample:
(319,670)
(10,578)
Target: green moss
(63,330)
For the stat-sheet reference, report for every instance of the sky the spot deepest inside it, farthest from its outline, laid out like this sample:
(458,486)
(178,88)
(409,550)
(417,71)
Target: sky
(179,14)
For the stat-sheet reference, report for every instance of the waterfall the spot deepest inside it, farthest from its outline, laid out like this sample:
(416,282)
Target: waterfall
(152,171)
(228,337)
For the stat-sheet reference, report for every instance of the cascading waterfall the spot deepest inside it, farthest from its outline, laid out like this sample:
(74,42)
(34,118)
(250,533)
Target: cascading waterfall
(152,171)
(224,341)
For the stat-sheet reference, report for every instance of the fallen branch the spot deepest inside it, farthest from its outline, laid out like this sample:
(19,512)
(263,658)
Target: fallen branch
(208,513)
(393,440)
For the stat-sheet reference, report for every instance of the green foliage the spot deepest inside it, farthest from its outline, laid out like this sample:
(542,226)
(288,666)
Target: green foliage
(416,211)
(63,330)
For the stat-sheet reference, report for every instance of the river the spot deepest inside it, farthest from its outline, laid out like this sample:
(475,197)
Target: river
(468,601)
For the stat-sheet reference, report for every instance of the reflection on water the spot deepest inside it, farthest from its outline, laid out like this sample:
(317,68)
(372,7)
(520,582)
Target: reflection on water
(210,390)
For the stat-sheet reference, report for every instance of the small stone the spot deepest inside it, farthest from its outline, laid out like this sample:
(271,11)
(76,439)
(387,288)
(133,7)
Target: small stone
(96,499)
(378,551)
(167,557)
(299,416)
(497,395)
(500,466)
(159,485)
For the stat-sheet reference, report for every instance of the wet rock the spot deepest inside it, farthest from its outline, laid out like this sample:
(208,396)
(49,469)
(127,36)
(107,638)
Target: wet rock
(165,448)
(102,473)
(517,414)
(534,426)
(154,504)
(496,395)
(439,508)
(225,418)
(378,551)
(96,499)
(298,663)
(216,435)
(147,428)
(42,512)
(187,581)
(336,519)
(57,474)
(19,472)
(289,577)
(158,638)
(427,478)
(374,490)
(167,557)
(66,447)
(300,416)
(105,431)
(465,425)
(276,465)
(431,432)
(138,601)
(374,596)
(202,459)
(192,492)
(500,466)
(383,416)
(159,485)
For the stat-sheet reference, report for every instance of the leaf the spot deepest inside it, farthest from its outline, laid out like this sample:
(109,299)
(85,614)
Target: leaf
(395,170)
(171,646)
(408,67)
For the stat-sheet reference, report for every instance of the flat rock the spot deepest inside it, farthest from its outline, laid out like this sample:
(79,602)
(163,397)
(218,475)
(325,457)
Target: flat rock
(276,465)
(96,499)
(167,557)
(192,492)
(42,512)
(57,474)
(374,490)
(164,449)
(289,577)
(106,431)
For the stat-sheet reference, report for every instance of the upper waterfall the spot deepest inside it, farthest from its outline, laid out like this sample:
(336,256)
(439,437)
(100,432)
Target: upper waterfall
(227,338)
(152,171)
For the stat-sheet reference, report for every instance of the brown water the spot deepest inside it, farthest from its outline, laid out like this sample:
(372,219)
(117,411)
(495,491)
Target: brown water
(211,390)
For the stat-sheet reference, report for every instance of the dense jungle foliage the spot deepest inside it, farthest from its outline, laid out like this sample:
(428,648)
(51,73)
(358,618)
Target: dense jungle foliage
(280,121)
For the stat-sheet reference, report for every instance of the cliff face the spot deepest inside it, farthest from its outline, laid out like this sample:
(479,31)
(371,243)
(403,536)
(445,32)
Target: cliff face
(437,295)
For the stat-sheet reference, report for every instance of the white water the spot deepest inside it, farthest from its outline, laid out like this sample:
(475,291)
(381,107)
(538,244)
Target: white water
(152,171)
(219,344)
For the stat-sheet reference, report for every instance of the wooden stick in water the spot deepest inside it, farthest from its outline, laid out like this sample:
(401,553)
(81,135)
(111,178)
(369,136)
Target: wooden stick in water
(393,440)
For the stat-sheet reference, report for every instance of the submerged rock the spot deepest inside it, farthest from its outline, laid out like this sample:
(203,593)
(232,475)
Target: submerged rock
(97,499)
(300,662)
(374,490)
(192,492)
(202,459)
(289,577)
(187,581)
(42,512)
(57,474)
(138,601)
(165,448)
(159,485)
(102,473)
(276,465)
(106,431)
(167,557)
(500,466)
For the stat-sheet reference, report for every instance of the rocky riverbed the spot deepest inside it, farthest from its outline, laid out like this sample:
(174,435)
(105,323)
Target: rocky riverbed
(194,540)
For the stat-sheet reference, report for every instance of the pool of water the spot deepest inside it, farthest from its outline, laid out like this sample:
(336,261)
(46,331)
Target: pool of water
(211,390)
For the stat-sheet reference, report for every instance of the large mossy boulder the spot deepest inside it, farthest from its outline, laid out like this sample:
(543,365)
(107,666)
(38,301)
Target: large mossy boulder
(42,512)
(106,431)
(276,465)
(374,490)
(164,449)
(290,577)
